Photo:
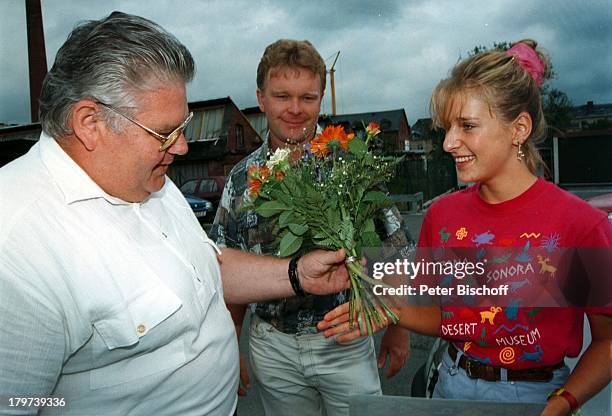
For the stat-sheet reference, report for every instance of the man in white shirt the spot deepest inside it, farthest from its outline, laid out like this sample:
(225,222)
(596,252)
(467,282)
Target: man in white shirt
(111,299)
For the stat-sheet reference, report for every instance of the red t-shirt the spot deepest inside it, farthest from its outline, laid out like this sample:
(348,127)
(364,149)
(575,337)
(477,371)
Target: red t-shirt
(520,241)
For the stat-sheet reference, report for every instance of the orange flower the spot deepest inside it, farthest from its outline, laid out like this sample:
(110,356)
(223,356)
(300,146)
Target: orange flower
(319,145)
(279,175)
(373,129)
(264,173)
(256,176)
(251,170)
(254,186)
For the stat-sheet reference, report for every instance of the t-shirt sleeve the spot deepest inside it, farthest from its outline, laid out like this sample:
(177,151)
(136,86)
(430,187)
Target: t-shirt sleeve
(595,255)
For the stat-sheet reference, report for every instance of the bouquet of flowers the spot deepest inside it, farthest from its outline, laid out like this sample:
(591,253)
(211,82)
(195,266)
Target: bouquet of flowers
(328,198)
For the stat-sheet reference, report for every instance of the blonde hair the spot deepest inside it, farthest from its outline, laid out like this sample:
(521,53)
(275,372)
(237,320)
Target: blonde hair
(505,86)
(294,54)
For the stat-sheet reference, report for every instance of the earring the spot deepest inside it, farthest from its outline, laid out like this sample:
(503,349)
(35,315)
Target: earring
(520,154)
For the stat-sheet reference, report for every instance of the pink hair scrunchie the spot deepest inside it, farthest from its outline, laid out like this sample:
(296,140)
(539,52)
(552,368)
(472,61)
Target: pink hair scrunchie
(529,60)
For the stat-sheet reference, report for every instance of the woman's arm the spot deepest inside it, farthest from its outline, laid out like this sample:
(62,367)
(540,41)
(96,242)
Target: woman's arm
(422,319)
(593,371)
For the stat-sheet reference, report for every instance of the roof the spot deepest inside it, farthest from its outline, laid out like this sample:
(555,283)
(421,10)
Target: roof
(389,120)
(29,132)
(251,110)
(592,110)
(421,128)
(215,102)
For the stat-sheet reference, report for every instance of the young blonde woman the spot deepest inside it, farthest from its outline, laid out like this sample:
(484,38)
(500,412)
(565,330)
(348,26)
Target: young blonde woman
(490,107)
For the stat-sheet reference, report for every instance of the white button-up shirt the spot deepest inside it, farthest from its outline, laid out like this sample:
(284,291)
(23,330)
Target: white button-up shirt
(115,307)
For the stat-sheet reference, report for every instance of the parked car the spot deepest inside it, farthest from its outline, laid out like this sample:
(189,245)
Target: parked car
(202,208)
(209,188)
(603,202)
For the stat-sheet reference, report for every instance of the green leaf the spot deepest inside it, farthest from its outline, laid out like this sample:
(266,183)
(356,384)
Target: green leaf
(369,226)
(375,196)
(370,239)
(285,218)
(328,242)
(292,186)
(333,217)
(346,233)
(357,146)
(270,208)
(289,244)
(281,196)
(298,229)
(312,194)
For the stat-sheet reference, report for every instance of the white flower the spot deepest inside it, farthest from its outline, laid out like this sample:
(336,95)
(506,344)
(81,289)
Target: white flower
(278,156)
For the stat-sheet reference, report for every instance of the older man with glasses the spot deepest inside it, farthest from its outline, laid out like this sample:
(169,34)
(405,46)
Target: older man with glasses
(111,297)
(166,140)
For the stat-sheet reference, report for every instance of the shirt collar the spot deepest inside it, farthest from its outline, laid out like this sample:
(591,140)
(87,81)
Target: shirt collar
(74,183)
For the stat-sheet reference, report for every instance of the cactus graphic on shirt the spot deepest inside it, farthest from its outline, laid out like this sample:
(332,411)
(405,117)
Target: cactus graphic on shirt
(524,257)
(483,335)
(480,254)
(532,314)
(512,310)
(444,235)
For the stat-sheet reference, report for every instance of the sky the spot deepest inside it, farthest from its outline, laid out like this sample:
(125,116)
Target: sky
(392,52)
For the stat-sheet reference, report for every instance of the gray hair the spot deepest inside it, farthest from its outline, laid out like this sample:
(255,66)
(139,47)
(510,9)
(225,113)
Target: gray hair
(110,60)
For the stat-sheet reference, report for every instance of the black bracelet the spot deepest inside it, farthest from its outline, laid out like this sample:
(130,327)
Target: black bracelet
(294,278)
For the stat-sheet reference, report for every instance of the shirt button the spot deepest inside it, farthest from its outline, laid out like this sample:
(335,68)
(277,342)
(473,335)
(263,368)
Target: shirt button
(141,329)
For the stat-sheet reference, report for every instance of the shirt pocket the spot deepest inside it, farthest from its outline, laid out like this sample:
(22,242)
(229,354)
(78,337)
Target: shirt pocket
(120,359)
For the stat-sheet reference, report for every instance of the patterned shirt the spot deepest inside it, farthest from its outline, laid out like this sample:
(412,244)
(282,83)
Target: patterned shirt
(250,232)
(524,243)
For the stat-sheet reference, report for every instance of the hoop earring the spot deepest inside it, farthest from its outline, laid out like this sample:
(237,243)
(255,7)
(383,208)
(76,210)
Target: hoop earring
(520,154)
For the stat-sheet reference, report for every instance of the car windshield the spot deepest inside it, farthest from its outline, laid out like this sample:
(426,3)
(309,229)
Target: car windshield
(208,185)
(188,187)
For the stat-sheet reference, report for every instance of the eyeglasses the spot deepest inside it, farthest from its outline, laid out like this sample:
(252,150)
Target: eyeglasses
(166,141)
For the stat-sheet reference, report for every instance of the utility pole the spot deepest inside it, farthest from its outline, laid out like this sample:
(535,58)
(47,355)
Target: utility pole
(37,56)
(333,87)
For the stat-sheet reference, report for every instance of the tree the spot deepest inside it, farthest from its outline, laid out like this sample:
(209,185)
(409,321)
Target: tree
(557,109)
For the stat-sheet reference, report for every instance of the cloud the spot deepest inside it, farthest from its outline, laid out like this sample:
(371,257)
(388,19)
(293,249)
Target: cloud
(392,52)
